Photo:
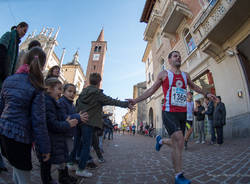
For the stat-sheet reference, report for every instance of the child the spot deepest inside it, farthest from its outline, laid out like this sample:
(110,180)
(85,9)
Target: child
(92,99)
(66,104)
(53,72)
(58,125)
(23,117)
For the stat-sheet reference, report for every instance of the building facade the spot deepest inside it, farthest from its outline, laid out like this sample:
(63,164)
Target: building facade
(71,72)
(139,114)
(213,38)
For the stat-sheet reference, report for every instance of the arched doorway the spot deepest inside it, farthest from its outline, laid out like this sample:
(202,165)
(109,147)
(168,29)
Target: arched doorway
(151,117)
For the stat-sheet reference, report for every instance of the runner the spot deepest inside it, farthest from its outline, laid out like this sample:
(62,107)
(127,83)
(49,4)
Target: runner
(190,116)
(174,84)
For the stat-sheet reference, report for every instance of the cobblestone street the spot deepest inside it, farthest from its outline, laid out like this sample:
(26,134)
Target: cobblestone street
(132,159)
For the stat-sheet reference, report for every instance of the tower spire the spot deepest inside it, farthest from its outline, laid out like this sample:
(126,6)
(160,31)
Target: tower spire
(101,36)
(55,36)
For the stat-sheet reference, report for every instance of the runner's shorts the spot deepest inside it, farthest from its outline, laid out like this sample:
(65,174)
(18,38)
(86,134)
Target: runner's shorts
(174,121)
(189,124)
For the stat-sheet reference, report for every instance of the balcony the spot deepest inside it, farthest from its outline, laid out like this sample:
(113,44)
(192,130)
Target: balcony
(219,22)
(222,19)
(174,13)
(152,26)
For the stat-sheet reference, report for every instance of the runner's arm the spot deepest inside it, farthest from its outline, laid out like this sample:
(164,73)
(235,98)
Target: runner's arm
(196,88)
(151,90)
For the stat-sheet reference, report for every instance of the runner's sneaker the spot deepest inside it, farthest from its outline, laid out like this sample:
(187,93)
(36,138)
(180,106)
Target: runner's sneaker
(101,160)
(72,167)
(180,179)
(158,145)
(83,173)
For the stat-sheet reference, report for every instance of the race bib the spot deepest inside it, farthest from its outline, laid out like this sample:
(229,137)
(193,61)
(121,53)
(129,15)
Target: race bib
(178,97)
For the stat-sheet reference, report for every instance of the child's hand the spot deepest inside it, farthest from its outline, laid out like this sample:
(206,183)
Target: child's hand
(72,122)
(84,116)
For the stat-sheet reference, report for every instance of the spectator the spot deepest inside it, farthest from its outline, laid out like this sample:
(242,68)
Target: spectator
(32,44)
(199,112)
(53,72)
(219,119)
(133,129)
(23,116)
(209,112)
(9,46)
(91,100)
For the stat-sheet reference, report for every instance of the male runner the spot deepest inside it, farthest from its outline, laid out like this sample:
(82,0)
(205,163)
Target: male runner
(174,84)
(190,116)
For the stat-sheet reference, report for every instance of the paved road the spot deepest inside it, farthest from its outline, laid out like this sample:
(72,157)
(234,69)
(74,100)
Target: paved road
(132,159)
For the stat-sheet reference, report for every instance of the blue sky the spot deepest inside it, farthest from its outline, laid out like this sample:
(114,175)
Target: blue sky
(81,22)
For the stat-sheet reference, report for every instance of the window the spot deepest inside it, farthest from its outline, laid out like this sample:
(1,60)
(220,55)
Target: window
(99,49)
(189,41)
(96,49)
(149,77)
(212,2)
(207,3)
(94,67)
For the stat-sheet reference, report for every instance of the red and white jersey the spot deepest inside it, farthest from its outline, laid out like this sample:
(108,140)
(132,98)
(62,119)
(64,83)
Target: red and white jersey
(175,92)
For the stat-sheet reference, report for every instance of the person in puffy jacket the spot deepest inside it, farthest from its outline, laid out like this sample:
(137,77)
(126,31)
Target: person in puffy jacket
(23,116)
(58,126)
(68,108)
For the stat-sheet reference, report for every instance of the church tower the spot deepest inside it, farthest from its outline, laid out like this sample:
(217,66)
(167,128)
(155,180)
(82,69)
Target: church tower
(96,57)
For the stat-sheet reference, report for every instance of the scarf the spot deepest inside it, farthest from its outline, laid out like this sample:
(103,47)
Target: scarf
(23,69)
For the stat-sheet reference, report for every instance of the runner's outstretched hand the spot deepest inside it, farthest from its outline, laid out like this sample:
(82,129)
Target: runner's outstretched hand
(131,101)
(131,107)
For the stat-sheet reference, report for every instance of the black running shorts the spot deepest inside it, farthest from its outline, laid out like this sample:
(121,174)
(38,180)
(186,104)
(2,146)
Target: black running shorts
(190,123)
(174,121)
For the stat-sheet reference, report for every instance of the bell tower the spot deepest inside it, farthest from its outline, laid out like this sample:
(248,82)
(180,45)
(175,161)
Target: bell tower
(96,57)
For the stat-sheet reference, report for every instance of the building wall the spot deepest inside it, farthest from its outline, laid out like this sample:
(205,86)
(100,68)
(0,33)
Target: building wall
(227,72)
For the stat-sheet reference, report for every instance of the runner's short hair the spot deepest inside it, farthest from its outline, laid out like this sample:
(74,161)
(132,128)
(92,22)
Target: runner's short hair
(171,53)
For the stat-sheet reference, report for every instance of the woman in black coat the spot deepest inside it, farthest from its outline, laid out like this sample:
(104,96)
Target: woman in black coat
(219,119)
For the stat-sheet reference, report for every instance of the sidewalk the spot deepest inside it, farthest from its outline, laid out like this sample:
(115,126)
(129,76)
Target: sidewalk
(133,160)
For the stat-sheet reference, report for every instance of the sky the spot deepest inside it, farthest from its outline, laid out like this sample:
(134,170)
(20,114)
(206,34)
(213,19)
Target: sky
(80,22)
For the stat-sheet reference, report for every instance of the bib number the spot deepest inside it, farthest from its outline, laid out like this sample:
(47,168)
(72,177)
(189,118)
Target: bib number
(178,97)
